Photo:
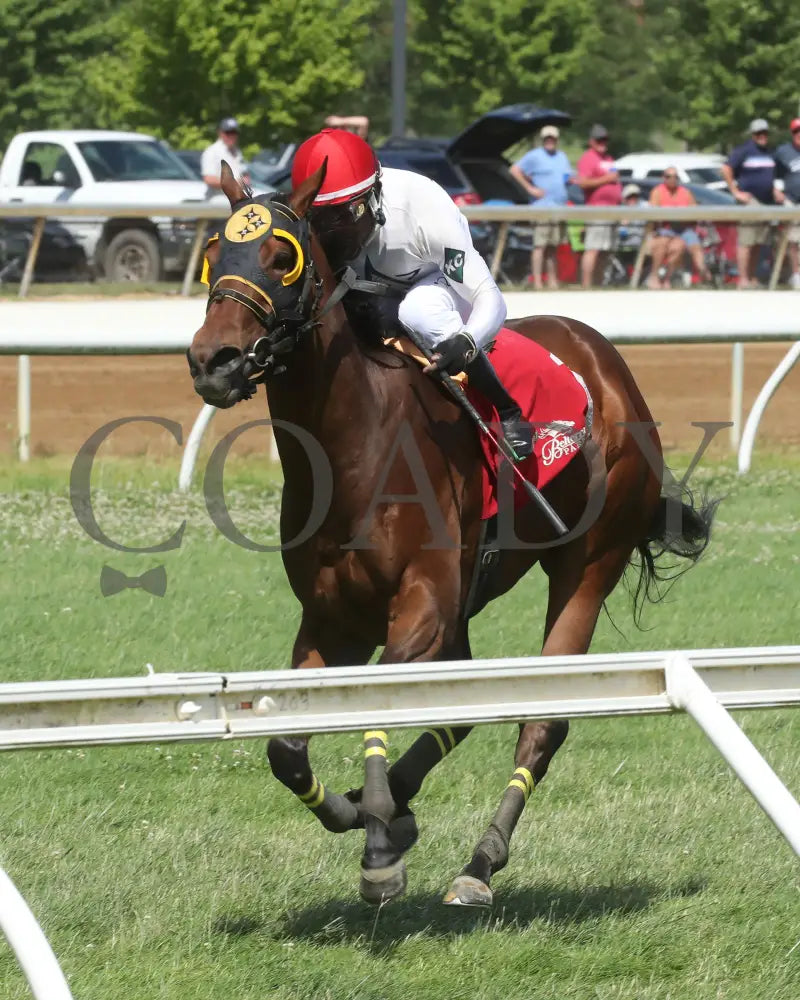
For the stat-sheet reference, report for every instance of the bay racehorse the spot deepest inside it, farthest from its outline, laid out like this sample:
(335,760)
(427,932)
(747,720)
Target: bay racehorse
(273,315)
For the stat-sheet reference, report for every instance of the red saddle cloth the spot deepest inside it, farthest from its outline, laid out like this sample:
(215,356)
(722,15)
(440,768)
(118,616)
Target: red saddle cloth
(552,397)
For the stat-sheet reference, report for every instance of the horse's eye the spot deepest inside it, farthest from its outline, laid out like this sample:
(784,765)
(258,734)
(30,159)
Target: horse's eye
(283,260)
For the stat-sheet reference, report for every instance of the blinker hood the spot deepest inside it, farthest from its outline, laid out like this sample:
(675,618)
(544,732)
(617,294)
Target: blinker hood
(252,222)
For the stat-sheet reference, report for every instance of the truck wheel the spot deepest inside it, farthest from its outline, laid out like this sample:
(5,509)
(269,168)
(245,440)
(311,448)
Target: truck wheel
(132,255)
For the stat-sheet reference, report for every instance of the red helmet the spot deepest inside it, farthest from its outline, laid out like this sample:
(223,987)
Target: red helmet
(352,165)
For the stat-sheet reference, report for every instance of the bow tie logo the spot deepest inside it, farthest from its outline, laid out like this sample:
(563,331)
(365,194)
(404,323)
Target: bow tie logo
(112,581)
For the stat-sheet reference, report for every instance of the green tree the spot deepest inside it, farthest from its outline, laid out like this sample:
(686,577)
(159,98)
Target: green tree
(49,74)
(590,58)
(279,71)
(726,62)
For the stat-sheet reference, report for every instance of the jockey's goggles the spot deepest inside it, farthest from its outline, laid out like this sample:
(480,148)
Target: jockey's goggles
(326,218)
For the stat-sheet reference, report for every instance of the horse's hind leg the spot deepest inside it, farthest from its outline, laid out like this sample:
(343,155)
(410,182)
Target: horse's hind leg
(576,596)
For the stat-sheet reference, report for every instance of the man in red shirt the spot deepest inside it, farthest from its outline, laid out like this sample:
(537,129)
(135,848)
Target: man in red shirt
(598,178)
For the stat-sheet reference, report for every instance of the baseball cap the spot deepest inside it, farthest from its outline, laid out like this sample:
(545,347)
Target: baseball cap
(759,125)
(794,124)
(630,189)
(598,132)
(228,125)
(549,131)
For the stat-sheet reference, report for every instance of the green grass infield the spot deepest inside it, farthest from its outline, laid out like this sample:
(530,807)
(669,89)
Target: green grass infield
(641,869)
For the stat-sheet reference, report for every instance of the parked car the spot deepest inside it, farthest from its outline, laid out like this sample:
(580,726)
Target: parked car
(59,256)
(693,168)
(191,158)
(90,167)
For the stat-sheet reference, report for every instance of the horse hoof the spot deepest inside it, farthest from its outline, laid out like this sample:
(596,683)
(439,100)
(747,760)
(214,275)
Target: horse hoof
(379,885)
(468,891)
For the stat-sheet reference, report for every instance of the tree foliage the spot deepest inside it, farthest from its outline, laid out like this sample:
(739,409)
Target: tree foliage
(697,70)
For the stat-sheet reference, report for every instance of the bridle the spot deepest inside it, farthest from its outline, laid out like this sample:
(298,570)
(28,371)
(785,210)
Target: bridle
(287,309)
(284,308)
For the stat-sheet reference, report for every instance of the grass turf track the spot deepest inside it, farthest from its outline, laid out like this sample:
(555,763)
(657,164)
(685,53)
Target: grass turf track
(641,869)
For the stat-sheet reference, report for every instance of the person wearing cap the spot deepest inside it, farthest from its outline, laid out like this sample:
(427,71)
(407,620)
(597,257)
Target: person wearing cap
(671,240)
(750,175)
(225,148)
(544,173)
(787,169)
(598,178)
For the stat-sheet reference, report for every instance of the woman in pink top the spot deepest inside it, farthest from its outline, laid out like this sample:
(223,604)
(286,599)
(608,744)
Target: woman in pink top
(598,178)
(673,239)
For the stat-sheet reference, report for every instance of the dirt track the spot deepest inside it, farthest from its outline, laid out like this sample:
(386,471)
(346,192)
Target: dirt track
(72,397)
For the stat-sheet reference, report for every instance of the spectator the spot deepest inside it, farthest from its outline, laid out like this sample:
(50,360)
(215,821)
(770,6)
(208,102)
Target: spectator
(787,163)
(671,240)
(225,148)
(598,178)
(544,172)
(631,233)
(750,176)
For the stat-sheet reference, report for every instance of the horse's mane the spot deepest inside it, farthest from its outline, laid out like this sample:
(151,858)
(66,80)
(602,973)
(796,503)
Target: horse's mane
(367,320)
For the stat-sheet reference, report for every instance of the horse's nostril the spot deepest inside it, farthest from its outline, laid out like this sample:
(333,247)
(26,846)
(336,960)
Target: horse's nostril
(226,357)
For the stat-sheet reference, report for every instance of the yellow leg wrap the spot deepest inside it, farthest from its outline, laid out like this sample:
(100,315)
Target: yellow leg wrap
(523,780)
(440,742)
(375,741)
(314,796)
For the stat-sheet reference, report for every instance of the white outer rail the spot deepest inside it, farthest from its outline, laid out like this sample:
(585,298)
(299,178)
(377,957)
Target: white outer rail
(199,706)
(167,325)
(172,707)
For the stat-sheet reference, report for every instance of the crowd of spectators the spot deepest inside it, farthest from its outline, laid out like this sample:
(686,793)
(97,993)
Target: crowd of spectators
(754,174)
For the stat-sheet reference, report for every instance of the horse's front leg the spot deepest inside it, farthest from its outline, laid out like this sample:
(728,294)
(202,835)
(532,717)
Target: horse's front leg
(317,646)
(418,631)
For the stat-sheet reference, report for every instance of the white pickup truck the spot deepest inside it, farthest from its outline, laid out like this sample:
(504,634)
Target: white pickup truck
(91,167)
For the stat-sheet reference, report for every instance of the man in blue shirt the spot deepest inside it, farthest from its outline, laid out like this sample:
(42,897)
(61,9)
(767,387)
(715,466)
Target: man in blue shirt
(544,173)
(750,175)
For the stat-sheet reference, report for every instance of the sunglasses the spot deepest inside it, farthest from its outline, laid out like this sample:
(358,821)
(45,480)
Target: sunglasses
(670,177)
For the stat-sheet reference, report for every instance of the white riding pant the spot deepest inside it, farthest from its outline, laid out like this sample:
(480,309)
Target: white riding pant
(432,310)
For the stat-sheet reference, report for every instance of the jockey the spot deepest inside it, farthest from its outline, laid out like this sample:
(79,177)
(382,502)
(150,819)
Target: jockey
(400,228)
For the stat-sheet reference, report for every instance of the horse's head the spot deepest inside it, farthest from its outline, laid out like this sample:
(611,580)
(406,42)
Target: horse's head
(261,291)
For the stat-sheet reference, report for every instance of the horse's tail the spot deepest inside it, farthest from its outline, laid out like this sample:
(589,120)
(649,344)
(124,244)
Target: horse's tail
(681,527)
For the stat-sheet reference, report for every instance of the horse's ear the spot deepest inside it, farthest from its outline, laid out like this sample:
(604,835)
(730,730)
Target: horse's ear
(304,194)
(233,188)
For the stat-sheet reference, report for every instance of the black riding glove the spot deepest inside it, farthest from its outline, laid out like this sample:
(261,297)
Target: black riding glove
(453,354)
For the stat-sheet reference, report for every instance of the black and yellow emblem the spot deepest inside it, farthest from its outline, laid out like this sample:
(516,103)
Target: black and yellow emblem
(248,223)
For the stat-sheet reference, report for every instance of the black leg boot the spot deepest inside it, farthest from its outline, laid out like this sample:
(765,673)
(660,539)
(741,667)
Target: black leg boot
(518,432)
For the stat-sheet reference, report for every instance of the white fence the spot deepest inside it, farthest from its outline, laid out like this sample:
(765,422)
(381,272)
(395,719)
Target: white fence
(191,707)
(167,327)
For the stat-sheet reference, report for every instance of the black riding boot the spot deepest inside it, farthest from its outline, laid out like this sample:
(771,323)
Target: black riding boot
(518,432)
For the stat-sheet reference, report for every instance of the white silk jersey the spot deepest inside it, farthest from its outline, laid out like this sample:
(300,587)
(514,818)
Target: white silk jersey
(425,235)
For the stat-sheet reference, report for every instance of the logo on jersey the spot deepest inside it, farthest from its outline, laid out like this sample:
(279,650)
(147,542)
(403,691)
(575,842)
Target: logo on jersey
(454,264)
